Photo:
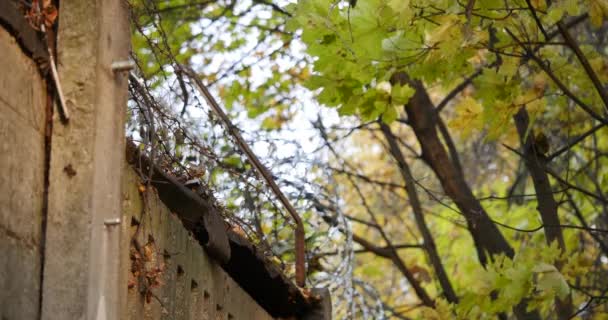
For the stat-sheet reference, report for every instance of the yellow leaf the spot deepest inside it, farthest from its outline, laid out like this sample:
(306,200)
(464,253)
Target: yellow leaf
(447,29)
(468,116)
(598,10)
(399,5)
(539,4)
(304,74)
(442,311)
(536,107)
(600,66)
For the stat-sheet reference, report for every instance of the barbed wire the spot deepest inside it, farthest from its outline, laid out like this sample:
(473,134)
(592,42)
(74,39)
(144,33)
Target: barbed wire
(195,147)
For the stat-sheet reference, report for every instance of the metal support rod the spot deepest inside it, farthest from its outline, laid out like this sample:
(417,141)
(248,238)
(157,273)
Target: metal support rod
(299,232)
(62,105)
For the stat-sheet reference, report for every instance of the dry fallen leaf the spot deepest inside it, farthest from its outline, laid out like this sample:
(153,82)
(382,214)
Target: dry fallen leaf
(149,251)
(50,15)
(238,230)
(37,15)
(421,273)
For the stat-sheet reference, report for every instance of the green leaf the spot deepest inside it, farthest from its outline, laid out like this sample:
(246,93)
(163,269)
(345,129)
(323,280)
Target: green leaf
(390,114)
(401,94)
(234,161)
(271,123)
(551,281)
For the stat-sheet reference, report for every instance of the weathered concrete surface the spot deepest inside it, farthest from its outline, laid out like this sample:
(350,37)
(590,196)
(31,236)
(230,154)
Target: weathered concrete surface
(192,285)
(81,271)
(22,105)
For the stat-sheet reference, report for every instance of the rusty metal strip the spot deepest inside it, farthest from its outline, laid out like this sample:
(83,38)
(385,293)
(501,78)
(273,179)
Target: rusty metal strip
(263,171)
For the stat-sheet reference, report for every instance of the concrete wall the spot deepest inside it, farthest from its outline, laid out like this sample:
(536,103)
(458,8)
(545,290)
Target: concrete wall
(170,268)
(22,109)
(190,285)
(82,264)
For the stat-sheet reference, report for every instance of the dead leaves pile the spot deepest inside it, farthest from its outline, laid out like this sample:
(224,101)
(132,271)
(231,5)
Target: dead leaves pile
(146,268)
(40,13)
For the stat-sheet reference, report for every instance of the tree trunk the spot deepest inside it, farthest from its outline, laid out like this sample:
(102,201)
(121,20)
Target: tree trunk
(547,207)
(423,119)
(487,237)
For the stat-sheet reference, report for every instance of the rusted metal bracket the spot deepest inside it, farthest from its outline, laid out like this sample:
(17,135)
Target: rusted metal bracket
(262,170)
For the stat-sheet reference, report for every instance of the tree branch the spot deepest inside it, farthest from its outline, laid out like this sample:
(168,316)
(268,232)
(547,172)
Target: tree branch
(583,60)
(429,242)
(556,80)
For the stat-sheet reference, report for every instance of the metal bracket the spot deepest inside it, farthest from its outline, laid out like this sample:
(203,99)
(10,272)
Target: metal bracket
(111,222)
(123,65)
